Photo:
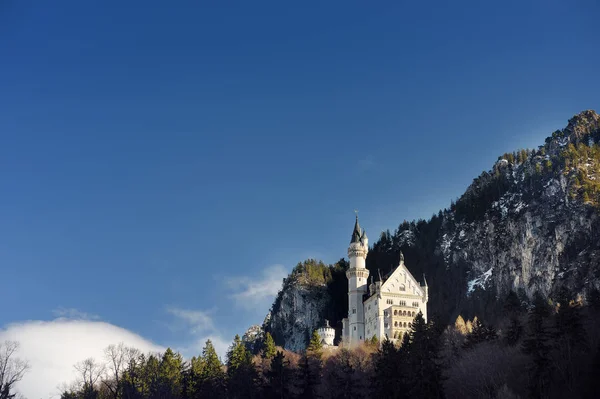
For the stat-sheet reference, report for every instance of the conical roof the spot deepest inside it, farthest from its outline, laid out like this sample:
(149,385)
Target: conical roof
(357,233)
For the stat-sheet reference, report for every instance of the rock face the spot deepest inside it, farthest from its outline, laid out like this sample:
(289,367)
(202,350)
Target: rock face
(538,235)
(297,312)
(530,224)
(253,338)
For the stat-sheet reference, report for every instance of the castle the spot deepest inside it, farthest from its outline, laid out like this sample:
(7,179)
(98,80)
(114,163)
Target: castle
(388,307)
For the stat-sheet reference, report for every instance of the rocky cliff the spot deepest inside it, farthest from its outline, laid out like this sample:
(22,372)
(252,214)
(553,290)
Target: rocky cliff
(530,224)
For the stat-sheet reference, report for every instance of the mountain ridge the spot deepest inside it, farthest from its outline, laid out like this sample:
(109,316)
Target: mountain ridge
(529,224)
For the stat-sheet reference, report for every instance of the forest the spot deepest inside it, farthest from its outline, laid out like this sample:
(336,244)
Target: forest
(547,349)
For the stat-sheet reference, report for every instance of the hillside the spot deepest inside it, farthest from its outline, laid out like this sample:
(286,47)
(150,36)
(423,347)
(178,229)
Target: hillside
(529,224)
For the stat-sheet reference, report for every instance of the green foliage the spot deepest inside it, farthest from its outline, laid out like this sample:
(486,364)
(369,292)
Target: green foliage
(312,272)
(315,347)
(279,378)
(269,350)
(241,371)
(582,165)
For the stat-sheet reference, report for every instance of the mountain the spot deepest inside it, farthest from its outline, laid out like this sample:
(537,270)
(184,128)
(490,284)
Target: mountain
(529,224)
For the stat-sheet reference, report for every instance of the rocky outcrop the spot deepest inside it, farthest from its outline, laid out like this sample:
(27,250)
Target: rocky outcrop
(298,311)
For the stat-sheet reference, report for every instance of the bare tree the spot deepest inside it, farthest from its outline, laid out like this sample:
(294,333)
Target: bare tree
(89,372)
(12,369)
(118,357)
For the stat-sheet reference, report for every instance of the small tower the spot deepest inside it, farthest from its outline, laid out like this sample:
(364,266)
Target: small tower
(327,334)
(357,276)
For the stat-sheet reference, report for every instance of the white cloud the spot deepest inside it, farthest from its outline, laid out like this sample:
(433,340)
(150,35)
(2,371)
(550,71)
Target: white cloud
(252,293)
(53,347)
(197,320)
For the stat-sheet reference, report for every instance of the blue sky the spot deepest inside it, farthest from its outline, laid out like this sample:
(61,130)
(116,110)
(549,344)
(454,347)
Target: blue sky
(159,158)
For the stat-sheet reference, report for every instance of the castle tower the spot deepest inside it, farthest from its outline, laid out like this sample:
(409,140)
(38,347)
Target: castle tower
(357,284)
(327,334)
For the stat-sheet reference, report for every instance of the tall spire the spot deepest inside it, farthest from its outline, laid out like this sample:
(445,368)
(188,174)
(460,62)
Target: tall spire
(357,233)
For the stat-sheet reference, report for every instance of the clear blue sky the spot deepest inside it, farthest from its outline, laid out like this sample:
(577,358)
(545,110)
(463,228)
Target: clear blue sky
(162,155)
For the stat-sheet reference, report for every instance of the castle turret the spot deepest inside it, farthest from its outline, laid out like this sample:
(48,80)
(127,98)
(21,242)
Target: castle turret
(357,276)
(327,334)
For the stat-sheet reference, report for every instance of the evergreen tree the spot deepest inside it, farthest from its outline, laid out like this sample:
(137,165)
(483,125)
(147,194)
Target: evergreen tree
(210,377)
(241,371)
(513,308)
(269,350)
(310,368)
(278,378)
(538,346)
(315,346)
(480,333)
(387,381)
(341,380)
(170,370)
(424,363)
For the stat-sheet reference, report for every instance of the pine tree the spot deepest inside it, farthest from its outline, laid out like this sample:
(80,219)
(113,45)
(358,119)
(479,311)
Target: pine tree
(480,333)
(310,368)
(423,359)
(315,346)
(241,371)
(341,380)
(269,350)
(387,382)
(171,366)
(278,378)
(538,346)
(513,308)
(210,380)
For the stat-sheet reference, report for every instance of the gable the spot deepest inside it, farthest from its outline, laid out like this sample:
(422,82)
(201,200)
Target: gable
(402,282)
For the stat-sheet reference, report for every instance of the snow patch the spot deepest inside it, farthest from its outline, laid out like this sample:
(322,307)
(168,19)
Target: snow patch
(479,281)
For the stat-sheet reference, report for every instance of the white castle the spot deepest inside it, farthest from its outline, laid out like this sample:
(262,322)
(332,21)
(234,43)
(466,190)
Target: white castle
(388,307)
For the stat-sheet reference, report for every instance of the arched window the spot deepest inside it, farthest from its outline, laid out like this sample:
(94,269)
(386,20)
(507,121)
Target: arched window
(395,312)
(395,324)
(409,325)
(404,324)
(413,314)
(404,313)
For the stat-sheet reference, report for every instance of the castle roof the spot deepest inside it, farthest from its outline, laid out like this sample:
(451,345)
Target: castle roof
(357,233)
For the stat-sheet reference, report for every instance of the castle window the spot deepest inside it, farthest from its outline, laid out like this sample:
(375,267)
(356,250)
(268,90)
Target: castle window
(404,325)
(404,313)
(395,312)
(395,324)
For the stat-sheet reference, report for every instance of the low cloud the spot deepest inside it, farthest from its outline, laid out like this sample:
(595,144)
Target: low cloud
(53,347)
(254,293)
